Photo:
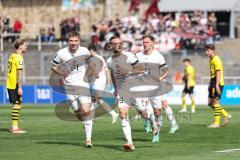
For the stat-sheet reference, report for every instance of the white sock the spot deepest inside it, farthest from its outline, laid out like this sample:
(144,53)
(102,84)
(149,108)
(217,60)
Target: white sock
(112,113)
(170,115)
(74,105)
(159,122)
(127,130)
(88,129)
(149,110)
(93,105)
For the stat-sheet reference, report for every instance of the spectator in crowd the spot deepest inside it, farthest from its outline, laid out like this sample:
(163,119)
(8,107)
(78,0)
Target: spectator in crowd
(43,35)
(69,25)
(6,24)
(51,34)
(17,27)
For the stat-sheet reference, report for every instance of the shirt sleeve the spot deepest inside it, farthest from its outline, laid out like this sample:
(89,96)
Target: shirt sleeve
(109,62)
(56,59)
(162,61)
(19,63)
(132,59)
(218,64)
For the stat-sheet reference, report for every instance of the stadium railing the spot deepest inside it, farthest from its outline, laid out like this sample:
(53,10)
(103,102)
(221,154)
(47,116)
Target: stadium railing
(29,80)
(227,79)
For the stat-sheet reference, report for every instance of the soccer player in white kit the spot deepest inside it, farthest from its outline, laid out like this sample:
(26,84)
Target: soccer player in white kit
(99,80)
(75,79)
(150,55)
(119,75)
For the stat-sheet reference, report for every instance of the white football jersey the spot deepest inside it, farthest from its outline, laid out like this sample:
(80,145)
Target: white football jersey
(102,67)
(155,59)
(77,72)
(126,60)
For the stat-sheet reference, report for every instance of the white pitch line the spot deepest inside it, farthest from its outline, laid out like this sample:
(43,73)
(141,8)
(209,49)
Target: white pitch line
(228,150)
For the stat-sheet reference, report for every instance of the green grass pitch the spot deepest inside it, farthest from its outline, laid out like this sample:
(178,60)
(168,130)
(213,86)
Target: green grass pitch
(50,138)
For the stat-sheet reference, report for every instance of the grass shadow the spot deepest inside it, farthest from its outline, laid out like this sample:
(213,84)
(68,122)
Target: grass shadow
(112,147)
(4,129)
(59,143)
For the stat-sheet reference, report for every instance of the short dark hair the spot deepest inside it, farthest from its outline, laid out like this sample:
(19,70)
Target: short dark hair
(150,37)
(18,42)
(73,34)
(210,46)
(113,37)
(186,60)
(92,47)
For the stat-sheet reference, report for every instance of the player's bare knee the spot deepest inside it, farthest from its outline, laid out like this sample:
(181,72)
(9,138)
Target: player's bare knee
(144,114)
(164,104)
(215,101)
(122,114)
(157,112)
(16,106)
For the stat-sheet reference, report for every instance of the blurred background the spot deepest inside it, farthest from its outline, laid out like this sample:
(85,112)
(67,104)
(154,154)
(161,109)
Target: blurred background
(181,28)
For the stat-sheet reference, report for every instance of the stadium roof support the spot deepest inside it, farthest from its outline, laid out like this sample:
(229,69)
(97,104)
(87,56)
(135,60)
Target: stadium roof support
(232,6)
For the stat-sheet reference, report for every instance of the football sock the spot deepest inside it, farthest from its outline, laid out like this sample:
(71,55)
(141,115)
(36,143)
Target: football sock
(159,122)
(15,116)
(221,110)
(184,103)
(192,104)
(217,113)
(170,115)
(127,130)
(88,129)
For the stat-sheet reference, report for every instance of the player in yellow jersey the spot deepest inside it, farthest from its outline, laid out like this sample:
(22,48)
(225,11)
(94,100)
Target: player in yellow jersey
(14,82)
(215,87)
(189,80)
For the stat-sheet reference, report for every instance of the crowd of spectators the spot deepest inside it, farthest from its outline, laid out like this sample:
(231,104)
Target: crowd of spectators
(172,31)
(68,25)
(190,30)
(13,31)
(48,35)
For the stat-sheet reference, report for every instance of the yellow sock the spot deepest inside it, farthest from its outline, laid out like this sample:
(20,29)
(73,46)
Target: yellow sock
(193,104)
(217,113)
(15,117)
(184,102)
(222,111)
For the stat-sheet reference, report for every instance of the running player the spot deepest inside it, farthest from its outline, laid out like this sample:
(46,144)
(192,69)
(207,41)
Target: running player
(189,80)
(100,80)
(14,82)
(75,78)
(122,65)
(215,87)
(150,55)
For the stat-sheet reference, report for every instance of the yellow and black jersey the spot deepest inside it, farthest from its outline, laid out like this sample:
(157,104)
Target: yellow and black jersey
(15,62)
(189,76)
(216,65)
